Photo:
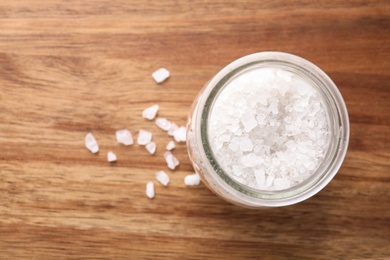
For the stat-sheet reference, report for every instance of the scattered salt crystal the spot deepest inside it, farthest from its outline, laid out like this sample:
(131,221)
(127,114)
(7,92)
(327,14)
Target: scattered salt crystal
(144,137)
(151,147)
(192,179)
(170,146)
(172,129)
(163,124)
(150,112)
(150,190)
(111,157)
(160,75)
(171,160)
(91,144)
(124,137)
(162,177)
(180,134)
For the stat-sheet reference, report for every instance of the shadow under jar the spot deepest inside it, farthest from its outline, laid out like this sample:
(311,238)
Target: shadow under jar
(270,129)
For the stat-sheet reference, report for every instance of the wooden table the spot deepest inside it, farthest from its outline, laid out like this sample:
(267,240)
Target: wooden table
(72,67)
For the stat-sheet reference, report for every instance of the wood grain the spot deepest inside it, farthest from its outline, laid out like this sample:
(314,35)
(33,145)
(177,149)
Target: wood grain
(69,67)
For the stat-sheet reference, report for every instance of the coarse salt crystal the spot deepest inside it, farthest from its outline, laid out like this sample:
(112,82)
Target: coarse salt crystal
(269,181)
(274,108)
(160,75)
(275,161)
(263,100)
(151,147)
(251,160)
(111,157)
(172,130)
(163,124)
(246,145)
(162,177)
(260,179)
(281,183)
(233,146)
(285,75)
(150,190)
(234,127)
(224,138)
(237,170)
(309,165)
(192,179)
(144,137)
(303,88)
(261,118)
(170,146)
(150,112)
(124,137)
(249,123)
(171,160)
(180,134)
(91,144)
(257,148)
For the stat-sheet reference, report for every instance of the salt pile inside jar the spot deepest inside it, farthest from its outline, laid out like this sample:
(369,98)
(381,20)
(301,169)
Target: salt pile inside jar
(269,129)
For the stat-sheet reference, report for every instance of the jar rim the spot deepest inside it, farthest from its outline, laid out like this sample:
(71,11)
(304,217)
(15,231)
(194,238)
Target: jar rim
(311,185)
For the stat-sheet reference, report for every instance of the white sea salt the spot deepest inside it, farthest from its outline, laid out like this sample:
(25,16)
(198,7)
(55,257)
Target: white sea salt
(281,183)
(91,144)
(192,179)
(124,137)
(150,112)
(171,160)
(260,178)
(245,144)
(170,146)
(249,122)
(251,160)
(160,75)
(180,134)
(151,147)
(162,177)
(269,129)
(163,124)
(172,129)
(150,190)
(111,157)
(144,137)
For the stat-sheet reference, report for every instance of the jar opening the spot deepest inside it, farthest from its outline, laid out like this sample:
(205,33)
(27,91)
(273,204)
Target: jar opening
(330,97)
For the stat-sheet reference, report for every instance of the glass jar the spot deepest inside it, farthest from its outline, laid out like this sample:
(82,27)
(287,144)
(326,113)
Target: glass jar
(207,166)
